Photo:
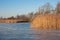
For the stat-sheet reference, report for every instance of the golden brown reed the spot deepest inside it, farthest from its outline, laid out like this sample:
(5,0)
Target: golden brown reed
(46,21)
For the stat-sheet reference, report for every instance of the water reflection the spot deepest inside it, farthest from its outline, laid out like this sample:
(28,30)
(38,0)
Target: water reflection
(46,34)
(22,31)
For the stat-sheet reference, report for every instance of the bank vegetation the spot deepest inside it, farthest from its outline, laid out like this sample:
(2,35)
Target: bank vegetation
(47,17)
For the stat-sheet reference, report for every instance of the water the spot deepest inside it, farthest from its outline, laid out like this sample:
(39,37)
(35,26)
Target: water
(22,31)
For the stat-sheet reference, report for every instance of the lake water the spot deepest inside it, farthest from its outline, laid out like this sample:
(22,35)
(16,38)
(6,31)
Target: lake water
(22,31)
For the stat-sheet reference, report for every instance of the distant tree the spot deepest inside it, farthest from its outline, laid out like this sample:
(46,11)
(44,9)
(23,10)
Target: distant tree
(58,7)
(18,16)
(31,15)
(1,17)
(45,8)
(40,10)
(12,17)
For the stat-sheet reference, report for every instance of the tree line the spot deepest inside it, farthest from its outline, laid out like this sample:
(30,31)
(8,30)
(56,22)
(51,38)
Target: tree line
(45,9)
(47,17)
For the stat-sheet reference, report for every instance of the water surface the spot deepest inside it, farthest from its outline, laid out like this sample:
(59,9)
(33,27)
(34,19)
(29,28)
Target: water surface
(22,31)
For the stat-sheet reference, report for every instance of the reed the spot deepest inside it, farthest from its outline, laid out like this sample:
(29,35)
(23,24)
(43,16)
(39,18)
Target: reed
(46,21)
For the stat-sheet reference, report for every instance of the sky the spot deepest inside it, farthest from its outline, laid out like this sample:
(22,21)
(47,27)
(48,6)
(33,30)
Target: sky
(17,7)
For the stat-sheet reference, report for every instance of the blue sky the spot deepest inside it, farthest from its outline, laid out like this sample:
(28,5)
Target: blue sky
(13,7)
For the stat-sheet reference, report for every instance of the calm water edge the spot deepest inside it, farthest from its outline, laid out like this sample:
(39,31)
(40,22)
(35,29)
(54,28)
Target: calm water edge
(22,31)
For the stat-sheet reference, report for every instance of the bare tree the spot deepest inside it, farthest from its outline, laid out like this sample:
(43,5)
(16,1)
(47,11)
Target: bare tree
(45,8)
(58,7)
(12,17)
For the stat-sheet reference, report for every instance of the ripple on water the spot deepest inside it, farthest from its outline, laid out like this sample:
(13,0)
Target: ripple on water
(24,32)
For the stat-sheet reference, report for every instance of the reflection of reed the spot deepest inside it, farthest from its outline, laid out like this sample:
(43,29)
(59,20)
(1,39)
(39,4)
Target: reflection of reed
(45,34)
(46,21)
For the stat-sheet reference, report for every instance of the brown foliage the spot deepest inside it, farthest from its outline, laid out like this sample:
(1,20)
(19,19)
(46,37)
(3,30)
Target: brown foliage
(46,21)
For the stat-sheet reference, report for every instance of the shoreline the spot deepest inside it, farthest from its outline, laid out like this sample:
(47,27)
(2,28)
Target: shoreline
(12,21)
